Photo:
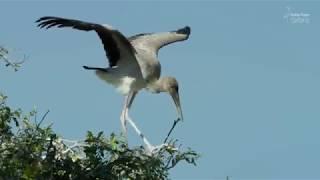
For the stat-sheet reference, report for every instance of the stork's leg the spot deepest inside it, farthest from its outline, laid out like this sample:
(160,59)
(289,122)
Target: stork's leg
(131,97)
(124,113)
(144,139)
(123,116)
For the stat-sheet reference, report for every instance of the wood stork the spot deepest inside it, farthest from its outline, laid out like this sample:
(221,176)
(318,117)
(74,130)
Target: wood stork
(133,62)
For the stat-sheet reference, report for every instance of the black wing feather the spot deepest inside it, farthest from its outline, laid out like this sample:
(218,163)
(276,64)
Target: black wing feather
(106,35)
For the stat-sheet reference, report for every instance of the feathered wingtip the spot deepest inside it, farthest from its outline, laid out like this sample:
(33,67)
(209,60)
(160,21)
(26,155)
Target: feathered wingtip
(44,21)
(44,18)
(186,30)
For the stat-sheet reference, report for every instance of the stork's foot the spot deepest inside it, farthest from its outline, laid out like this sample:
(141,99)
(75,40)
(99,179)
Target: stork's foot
(152,150)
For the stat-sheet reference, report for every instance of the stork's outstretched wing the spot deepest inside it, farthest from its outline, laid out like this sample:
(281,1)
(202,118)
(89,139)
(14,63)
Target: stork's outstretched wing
(158,40)
(116,45)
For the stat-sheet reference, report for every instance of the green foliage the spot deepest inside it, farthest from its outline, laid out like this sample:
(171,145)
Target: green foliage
(8,61)
(29,150)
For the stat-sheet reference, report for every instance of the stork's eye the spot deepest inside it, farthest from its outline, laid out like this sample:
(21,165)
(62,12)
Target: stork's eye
(176,88)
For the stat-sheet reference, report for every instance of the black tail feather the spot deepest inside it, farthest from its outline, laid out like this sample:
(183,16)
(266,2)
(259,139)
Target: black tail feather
(94,68)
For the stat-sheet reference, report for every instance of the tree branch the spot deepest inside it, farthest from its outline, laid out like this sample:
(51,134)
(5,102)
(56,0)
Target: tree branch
(14,64)
(173,126)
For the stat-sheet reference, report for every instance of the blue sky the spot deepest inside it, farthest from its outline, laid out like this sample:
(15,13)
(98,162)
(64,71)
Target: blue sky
(249,80)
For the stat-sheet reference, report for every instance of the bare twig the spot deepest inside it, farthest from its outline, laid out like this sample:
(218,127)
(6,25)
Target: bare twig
(42,119)
(173,126)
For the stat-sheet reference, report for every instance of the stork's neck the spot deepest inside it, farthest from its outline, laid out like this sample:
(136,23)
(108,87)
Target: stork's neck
(157,86)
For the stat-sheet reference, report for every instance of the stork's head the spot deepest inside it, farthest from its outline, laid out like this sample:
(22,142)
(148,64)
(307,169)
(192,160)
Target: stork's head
(171,86)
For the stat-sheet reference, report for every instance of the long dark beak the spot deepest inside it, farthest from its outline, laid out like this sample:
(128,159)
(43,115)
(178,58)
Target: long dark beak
(176,99)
